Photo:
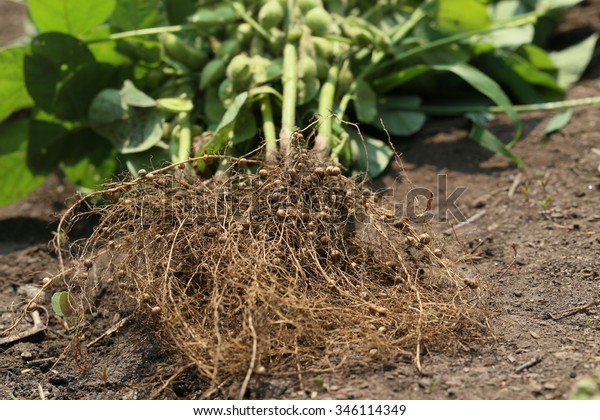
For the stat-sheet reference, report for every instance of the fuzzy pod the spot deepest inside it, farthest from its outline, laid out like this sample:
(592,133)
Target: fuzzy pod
(307,90)
(244,33)
(212,73)
(270,14)
(323,47)
(228,49)
(307,68)
(307,5)
(226,93)
(209,16)
(322,68)
(358,35)
(176,49)
(318,20)
(238,72)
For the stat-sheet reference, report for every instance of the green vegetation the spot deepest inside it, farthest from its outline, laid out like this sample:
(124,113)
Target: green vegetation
(131,84)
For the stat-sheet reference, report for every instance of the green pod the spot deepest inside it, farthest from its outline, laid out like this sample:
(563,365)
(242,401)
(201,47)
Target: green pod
(270,14)
(294,34)
(276,46)
(228,49)
(307,68)
(212,73)
(307,90)
(323,47)
(358,35)
(306,5)
(318,20)
(214,15)
(226,93)
(322,68)
(176,49)
(244,33)
(345,79)
(238,72)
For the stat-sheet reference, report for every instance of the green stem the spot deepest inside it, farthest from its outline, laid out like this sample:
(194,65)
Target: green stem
(290,86)
(239,9)
(401,30)
(326,99)
(268,127)
(143,32)
(185,137)
(546,106)
(520,20)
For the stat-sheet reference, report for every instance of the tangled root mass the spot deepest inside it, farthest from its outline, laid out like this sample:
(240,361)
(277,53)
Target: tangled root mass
(292,266)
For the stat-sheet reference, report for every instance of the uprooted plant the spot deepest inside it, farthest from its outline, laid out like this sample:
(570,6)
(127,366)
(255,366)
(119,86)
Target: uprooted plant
(286,268)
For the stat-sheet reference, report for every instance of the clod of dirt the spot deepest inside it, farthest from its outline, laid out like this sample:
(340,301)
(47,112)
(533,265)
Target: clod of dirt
(292,268)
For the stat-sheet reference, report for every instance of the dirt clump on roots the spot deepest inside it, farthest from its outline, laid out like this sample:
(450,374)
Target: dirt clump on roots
(271,269)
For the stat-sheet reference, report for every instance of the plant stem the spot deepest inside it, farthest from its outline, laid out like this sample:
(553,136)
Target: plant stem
(546,106)
(326,98)
(521,20)
(268,127)
(185,137)
(239,9)
(142,32)
(400,31)
(290,87)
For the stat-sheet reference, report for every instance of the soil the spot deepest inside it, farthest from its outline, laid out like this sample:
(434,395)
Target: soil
(535,246)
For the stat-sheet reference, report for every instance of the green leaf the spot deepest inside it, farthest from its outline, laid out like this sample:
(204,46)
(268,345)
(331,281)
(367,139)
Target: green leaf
(245,126)
(132,96)
(55,59)
(74,17)
(17,179)
(488,140)
(462,15)
(46,145)
(130,128)
(369,154)
(572,62)
(396,79)
(12,81)
(397,121)
(559,121)
(88,160)
(179,10)
(225,128)
(63,304)
(365,101)
(537,57)
(105,51)
(488,87)
(134,14)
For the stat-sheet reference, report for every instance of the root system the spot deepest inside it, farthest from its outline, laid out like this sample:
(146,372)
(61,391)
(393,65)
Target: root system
(271,269)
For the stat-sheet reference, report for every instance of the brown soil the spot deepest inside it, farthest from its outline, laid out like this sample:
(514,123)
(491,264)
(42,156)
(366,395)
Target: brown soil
(537,251)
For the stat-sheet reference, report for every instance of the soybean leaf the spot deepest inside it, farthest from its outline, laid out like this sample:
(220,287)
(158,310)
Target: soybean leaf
(245,126)
(571,62)
(225,128)
(397,121)
(74,17)
(12,81)
(45,146)
(392,81)
(559,121)
(139,49)
(365,102)
(132,96)
(369,154)
(179,10)
(55,58)
(129,128)
(537,57)
(105,51)
(555,4)
(488,87)
(63,304)
(488,140)
(462,15)
(88,160)
(17,179)
(134,14)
